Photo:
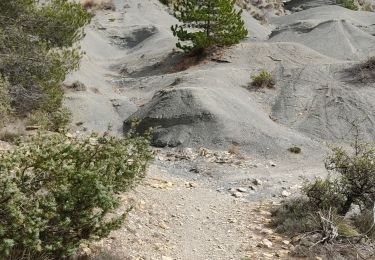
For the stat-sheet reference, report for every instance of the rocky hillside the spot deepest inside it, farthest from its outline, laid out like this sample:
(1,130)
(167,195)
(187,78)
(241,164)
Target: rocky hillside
(131,69)
(196,201)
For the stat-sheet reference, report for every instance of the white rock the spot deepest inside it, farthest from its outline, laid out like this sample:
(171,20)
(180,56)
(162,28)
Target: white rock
(237,195)
(266,243)
(242,189)
(285,193)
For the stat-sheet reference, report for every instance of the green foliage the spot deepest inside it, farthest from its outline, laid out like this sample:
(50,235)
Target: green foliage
(5,107)
(57,192)
(263,79)
(356,174)
(354,184)
(295,216)
(206,23)
(348,4)
(324,194)
(37,50)
(56,121)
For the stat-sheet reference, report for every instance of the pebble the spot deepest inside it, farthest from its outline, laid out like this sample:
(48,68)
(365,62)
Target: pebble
(237,195)
(257,182)
(285,193)
(242,189)
(266,243)
(190,185)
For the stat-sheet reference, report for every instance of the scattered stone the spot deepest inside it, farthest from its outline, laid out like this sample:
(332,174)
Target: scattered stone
(268,255)
(220,189)
(257,182)
(242,189)
(285,193)
(163,225)
(285,242)
(237,195)
(266,243)
(191,185)
(267,231)
(253,188)
(272,164)
(166,258)
(282,253)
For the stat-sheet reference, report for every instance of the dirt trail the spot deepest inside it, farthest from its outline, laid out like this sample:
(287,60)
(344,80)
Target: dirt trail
(182,211)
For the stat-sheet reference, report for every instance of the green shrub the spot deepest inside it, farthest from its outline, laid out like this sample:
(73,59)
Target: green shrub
(354,184)
(206,23)
(57,192)
(4,101)
(349,4)
(324,194)
(356,175)
(38,48)
(295,216)
(56,121)
(263,79)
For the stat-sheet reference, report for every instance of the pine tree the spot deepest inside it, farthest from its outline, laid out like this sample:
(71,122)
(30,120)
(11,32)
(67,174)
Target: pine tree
(206,23)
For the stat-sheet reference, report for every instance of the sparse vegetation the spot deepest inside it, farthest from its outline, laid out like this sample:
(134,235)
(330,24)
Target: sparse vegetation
(263,80)
(56,121)
(206,24)
(325,202)
(58,192)
(365,71)
(349,4)
(295,149)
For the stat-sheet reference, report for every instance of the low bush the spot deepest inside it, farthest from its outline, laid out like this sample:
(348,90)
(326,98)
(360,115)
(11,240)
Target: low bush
(263,79)
(295,149)
(353,185)
(324,194)
(57,192)
(295,216)
(56,121)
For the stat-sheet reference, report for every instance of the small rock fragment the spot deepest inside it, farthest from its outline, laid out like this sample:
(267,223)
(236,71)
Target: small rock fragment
(242,189)
(285,193)
(266,243)
(237,195)
(257,182)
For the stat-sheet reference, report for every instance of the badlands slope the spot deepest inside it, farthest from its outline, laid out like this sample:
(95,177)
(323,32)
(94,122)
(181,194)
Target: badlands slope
(131,69)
